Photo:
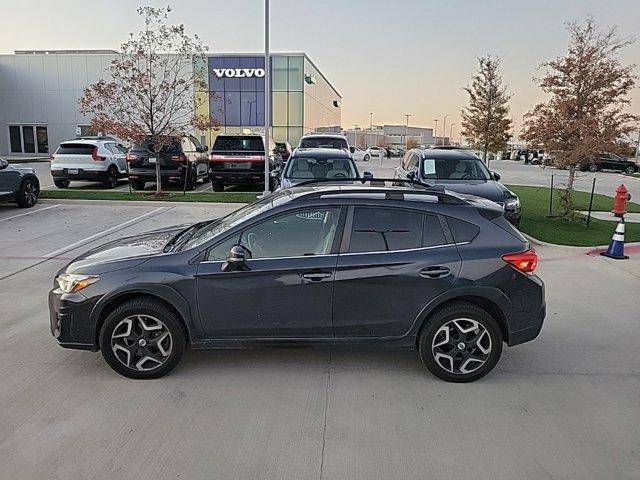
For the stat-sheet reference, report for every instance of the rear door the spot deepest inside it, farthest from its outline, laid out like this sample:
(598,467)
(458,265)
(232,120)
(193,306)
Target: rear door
(393,262)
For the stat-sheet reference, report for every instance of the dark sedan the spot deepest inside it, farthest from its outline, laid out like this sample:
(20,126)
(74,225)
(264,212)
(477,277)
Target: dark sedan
(338,264)
(459,171)
(19,184)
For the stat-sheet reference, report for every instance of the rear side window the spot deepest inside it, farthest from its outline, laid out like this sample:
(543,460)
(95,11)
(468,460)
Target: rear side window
(75,149)
(173,148)
(239,143)
(384,229)
(462,231)
(432,233)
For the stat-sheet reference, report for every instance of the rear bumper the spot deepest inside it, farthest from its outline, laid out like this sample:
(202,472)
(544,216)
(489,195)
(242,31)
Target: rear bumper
(149,175)
(251,177)
(88,175)
(529,333)
(69,320)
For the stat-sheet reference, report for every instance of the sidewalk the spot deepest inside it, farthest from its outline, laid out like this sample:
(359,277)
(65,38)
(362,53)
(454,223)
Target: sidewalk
(629,217)
(25,158)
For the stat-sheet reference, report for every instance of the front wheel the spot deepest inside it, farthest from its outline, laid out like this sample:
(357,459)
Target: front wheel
(460,343)
(593,167)
(630,170)
(142,339)
(28,193)
(366,158)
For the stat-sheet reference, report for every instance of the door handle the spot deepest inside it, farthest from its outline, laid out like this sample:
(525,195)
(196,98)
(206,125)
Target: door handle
(316,276)
(434,272)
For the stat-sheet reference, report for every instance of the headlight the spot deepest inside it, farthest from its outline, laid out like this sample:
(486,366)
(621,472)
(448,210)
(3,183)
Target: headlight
(71,283)
(512,203)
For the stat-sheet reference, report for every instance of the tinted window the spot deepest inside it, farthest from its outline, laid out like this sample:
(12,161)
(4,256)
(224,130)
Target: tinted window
(29,140)
(172,148)
(462,231)
(308,167)
(323,142)
(432,233)
(75,149)
(221,251)
(383,229)
(304,232)
(247,143)
(15,139)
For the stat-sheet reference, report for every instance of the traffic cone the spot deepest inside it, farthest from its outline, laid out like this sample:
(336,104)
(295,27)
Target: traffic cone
(616,248)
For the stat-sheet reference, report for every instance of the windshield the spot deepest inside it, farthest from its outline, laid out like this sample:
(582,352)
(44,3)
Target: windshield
(323,142)
(301,168)
(219,227)
(455,169)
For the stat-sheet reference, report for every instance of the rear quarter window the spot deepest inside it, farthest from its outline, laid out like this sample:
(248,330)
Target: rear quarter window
(462,231)
(432,232)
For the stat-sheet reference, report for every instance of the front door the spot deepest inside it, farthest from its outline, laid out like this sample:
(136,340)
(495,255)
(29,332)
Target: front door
(286,287)
(398,260)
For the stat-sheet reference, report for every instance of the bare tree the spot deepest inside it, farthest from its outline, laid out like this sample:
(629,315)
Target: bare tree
(485,122)
(149,95)
(585,115)
(411,143)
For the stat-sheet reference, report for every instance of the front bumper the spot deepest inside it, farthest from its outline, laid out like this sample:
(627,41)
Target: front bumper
(69,319)
(87,175)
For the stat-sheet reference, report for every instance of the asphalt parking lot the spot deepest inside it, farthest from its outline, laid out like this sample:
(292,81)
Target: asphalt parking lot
(564,406)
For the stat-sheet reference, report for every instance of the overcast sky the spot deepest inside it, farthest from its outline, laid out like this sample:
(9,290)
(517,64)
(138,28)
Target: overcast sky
(389,57)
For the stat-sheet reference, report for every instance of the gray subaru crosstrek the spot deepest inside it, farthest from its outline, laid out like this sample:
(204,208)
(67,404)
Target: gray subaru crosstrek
(322,264)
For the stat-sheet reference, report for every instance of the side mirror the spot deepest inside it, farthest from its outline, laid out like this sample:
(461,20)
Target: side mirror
(496,176)
(352,149)
(205,148)
(411,175)
(236,260)
(3,164)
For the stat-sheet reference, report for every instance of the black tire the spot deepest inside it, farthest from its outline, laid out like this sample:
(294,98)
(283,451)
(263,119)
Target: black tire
(217,185)
(143,308)
(273,184)
(593,168)
(366,158)
(137,184)
(206,179)
(192,180)
(459,311)
(111,180)
(61,183)
(28,193)
(630,170)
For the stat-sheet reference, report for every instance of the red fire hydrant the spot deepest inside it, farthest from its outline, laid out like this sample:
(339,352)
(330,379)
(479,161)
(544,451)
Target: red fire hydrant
(622,197)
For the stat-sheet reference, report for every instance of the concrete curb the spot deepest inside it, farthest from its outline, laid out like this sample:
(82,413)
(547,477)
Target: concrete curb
(135,203)
(535,241)
(15,161)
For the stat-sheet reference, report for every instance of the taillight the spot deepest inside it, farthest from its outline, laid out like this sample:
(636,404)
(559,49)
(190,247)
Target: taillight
(216,158)
(182,158)
(97,157)
(131,157)
(525,262)
(52,157)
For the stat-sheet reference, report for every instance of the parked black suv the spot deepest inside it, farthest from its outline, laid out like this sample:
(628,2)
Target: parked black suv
(239,160)
(323,264)
(184,161)
(459,171)
(19,184)
(610,161)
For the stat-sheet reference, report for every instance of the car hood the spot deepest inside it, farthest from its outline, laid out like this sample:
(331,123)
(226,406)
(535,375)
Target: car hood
(489,189)
(123,253)
(20,168)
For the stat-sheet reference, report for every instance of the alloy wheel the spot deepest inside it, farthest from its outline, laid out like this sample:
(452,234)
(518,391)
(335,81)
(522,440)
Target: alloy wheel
(461,346)
(141,342)
(30,193)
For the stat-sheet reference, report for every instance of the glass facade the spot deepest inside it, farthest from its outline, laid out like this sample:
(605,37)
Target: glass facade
(236,95)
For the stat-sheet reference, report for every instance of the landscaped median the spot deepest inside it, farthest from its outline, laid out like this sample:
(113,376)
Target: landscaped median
(537,223)
(214,197)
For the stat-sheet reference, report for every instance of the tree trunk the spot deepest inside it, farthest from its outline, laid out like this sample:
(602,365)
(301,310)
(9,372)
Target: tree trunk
(566,199)
(158,179)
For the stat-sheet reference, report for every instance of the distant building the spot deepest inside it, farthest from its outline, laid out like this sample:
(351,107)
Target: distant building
(390,136)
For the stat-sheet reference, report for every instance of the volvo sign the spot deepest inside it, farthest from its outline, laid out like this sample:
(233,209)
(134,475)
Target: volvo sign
(239,72)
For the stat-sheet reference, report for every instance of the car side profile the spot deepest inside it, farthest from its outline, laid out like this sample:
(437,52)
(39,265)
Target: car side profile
(18,184)
(610,161)
(459,171)
(319,264)
(89,159)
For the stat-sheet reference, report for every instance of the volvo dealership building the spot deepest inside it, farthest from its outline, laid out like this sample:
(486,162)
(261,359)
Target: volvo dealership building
(40,90)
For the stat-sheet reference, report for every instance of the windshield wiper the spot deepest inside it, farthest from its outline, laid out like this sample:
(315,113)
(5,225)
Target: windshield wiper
(183,237)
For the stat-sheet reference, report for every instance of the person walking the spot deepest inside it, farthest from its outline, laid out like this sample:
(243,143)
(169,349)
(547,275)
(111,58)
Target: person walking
(388,152)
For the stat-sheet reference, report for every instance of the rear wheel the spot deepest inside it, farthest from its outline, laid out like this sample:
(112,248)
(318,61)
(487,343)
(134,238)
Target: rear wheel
(111,181)
(630,170)
(142,339)
(192,179)
(28,193)
(217,185)
(137,184)
(366,158)
(460,343)
(593,167)
(61,183)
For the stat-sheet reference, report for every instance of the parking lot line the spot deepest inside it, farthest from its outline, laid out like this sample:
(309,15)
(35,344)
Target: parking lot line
(28,213)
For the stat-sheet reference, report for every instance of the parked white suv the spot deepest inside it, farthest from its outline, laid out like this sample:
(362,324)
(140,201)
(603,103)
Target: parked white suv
(360,155)
(100,159)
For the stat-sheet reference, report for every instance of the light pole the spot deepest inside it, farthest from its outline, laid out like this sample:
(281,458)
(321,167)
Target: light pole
(355,135)
(444,128)
(638,147)
(435,133)
(451,133)
(406,130)
(267,99)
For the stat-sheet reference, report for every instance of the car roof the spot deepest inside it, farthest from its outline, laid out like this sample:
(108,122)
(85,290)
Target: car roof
(446,153)
(329,135)
(320,153)
(85,141)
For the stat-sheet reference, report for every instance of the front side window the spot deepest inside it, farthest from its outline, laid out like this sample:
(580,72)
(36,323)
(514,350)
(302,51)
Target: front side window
(385,229)
(455,169)
(313,168)
(300,233)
